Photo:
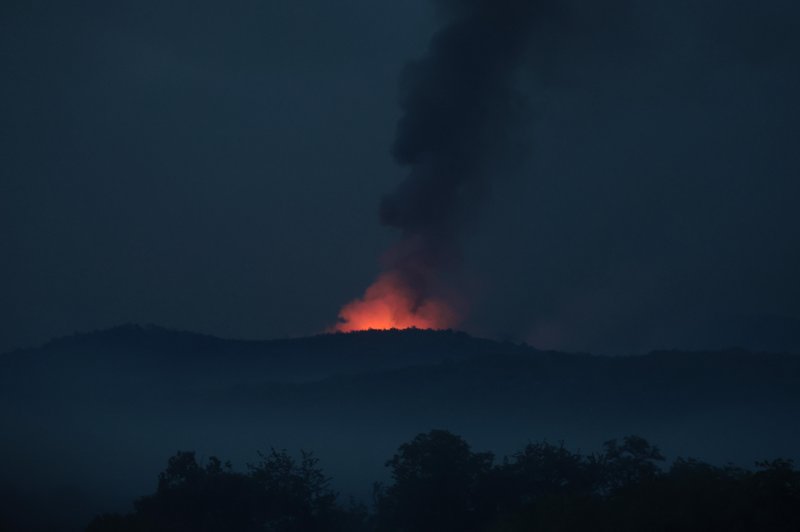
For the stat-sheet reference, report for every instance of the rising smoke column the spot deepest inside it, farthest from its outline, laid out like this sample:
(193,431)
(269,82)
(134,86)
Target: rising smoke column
(458,106)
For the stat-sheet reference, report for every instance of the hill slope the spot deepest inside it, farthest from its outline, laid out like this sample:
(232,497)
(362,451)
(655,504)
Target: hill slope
(97,414)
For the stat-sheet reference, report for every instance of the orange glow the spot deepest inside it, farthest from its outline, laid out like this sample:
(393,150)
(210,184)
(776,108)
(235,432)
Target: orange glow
(389,304)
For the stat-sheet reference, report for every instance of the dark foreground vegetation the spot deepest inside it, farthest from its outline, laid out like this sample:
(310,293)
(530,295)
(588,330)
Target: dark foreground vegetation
(440,484)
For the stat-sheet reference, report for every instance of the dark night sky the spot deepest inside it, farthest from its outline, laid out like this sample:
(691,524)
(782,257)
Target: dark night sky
(218,167)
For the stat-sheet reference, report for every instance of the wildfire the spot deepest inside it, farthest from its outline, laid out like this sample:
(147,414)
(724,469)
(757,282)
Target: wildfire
(390,304)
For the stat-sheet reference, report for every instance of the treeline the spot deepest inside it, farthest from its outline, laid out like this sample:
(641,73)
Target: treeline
(439,484)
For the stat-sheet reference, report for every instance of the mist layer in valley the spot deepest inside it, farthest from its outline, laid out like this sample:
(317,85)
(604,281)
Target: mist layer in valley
(89,420)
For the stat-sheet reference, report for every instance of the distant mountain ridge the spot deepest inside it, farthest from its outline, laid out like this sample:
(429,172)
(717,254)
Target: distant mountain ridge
(132,334)
(208,358)
(318,357)
(90,409)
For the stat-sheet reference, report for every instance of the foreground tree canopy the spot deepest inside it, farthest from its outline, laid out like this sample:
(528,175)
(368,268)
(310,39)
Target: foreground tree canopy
(440,484)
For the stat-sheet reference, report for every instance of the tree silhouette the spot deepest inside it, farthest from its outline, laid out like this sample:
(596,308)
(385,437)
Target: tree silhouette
(628,464)
(436,483)
(278,494)
(294,496)
(440,484)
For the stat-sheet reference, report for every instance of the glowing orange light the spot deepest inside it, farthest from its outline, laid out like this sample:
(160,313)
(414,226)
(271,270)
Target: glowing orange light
(389,304)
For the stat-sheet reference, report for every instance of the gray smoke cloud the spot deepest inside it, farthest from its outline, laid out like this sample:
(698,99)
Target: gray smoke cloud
(459,106)
(462,110)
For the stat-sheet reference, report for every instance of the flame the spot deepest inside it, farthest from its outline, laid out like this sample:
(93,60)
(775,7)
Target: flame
(390,304)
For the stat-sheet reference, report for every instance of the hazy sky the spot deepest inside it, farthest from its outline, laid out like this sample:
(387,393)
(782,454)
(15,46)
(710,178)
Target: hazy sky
(218,167)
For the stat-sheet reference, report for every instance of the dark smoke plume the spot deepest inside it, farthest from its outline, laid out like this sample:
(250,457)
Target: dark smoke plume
(459,105)
(458,102)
